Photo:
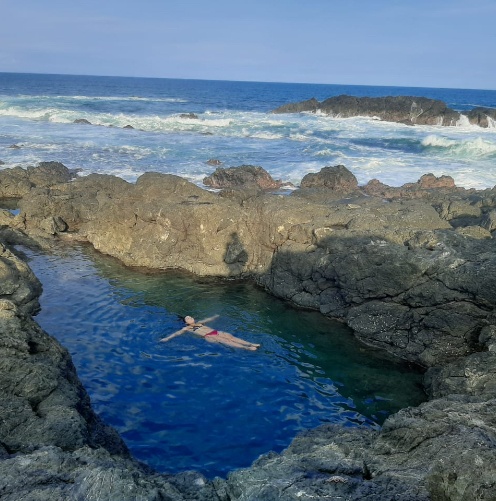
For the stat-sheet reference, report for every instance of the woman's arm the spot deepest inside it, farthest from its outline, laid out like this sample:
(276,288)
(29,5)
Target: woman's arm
(175,334)
(209,319)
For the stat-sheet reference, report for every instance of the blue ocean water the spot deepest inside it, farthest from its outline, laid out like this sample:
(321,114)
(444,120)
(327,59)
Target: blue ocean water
(188,404)
(234,125)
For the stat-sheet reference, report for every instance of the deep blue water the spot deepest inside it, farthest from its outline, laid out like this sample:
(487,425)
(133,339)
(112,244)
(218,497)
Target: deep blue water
(234,125)
(189,404)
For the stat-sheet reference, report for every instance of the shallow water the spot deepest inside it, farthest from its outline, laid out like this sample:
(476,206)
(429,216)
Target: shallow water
(188,404)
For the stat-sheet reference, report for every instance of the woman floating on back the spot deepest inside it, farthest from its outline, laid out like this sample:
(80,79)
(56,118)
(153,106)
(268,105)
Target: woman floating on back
(211,335)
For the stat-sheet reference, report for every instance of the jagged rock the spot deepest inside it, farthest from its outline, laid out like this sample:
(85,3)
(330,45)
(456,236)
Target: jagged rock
(214,162)
(337,178)
(429,181)
(399,272)
(245,176)
(309,105)
(342,261)
(419,454)
(128,127)
(483,117)
(489,221)
(402,109)
(82,121)
(17,182)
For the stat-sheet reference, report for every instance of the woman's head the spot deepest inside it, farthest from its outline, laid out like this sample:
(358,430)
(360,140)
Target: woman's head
(189,320)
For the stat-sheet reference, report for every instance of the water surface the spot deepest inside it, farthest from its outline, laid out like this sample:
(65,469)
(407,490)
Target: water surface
(189,404)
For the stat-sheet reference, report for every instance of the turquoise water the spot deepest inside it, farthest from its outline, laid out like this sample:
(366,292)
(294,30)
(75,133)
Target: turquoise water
(189,404)
(234,125)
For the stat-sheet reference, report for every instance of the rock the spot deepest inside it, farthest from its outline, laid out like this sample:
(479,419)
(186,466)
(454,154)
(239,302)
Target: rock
(337,178)
(2,163)
(17,182)
(401,109)
(483,117)
(82,121)
(214,162)
(243,176)
(50,173)
(128,127)
(17,282)
(304,106)
(406,273)
(429,181)
(192,116)
(489,220)
(419,454)
(474,375)
(15,147)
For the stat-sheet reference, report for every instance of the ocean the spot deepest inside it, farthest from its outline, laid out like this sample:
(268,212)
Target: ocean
(234,126)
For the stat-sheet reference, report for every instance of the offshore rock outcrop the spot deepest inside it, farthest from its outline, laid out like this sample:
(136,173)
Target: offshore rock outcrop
(409,110)
(412,271)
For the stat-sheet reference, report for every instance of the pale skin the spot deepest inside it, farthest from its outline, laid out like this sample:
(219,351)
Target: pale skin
(211,335)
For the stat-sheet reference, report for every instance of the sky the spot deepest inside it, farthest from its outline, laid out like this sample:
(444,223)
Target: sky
(417,43)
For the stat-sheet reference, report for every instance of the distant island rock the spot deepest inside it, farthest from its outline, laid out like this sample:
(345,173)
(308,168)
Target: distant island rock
(409,110)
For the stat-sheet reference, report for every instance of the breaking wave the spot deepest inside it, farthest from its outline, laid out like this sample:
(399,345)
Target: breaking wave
(476,147)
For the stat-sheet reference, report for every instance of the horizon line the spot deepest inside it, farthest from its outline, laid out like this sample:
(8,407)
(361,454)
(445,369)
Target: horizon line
(241,81)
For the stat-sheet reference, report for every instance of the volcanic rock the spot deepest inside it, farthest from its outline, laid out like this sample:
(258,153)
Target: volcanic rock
(246,176)
(17,182)
(214,162)
(401,109)
(192,116)
(483,117)
(407,274)
(338,179)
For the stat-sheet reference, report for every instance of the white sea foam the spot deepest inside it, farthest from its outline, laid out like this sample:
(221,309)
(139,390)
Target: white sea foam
(476,147)
(463,121)
(324,153)
(266,135)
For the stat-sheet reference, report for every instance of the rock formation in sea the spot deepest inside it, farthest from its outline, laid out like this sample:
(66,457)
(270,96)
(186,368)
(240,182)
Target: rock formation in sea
(411,269)
(402,109)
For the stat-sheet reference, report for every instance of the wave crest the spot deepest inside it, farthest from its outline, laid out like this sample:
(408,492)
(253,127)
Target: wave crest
(469,147)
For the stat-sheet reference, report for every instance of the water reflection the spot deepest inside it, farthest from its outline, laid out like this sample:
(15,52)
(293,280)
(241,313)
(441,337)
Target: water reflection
(189,404)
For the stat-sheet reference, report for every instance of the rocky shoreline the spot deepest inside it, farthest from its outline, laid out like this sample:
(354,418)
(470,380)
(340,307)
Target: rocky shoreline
(412,270)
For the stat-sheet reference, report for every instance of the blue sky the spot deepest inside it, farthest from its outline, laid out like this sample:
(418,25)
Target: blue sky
(435,43)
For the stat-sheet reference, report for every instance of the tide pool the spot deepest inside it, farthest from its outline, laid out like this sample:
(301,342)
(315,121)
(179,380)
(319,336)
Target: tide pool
(188,404)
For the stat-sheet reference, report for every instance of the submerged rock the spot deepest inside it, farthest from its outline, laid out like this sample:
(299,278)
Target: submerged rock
(192,116)
(82,121)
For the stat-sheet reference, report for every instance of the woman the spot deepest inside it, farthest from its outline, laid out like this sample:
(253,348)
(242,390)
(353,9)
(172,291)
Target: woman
(211,335)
